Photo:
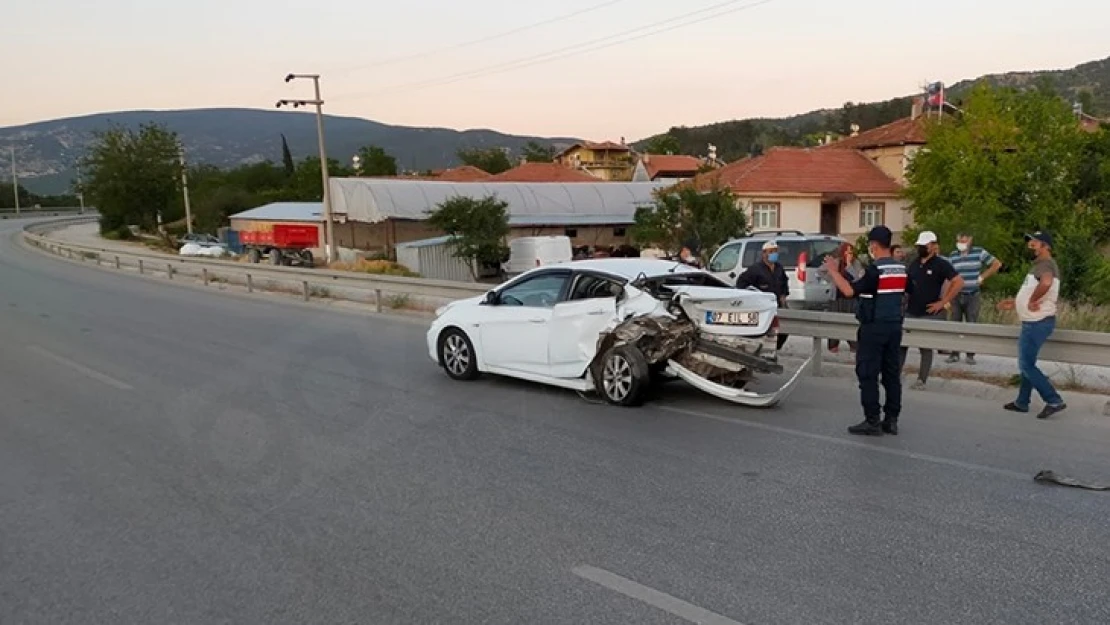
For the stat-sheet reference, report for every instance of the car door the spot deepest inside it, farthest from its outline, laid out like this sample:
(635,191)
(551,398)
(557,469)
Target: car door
(725,264)
(577,322)
(514,333)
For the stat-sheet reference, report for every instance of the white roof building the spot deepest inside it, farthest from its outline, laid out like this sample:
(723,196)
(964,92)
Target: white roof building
(372,200)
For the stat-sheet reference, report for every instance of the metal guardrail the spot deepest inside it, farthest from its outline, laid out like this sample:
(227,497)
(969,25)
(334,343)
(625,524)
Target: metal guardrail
(211,269)
(1065,346)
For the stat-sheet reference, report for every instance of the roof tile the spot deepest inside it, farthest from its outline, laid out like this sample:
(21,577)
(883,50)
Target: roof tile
(543,172)
(905,131)
(679,164)
(803,170)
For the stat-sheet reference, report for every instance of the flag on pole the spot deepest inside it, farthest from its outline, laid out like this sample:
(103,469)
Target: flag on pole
(934,96)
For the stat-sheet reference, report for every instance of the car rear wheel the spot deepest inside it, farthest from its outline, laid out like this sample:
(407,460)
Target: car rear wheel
(456,355)
(624,376)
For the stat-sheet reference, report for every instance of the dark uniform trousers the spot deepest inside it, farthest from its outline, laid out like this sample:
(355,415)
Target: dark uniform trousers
(879,355)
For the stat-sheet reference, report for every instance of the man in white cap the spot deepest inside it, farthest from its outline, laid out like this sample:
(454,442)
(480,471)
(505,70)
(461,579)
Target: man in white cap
(768,276)
(926,297)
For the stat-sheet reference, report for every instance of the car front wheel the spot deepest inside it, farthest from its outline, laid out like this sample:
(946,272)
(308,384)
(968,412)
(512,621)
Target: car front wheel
(624,376)
(456,355)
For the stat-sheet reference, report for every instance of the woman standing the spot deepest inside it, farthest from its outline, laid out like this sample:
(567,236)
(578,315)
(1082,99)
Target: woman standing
(852,269)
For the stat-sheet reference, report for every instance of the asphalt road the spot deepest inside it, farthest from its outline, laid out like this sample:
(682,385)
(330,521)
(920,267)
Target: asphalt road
(169,455)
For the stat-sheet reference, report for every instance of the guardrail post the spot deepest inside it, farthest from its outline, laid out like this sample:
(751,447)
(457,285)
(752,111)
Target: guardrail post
(304,288)
(140,266)
(204,272)
(169,271)
(818,356)
(117,262)
(378,299)
(250,284)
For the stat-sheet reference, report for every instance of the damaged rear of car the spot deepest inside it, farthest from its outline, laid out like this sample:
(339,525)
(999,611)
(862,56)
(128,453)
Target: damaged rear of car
(713,337)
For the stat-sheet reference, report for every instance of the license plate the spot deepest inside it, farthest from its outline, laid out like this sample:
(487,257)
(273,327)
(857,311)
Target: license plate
(728,318)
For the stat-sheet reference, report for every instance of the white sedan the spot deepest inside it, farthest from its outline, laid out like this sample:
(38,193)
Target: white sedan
(615,326)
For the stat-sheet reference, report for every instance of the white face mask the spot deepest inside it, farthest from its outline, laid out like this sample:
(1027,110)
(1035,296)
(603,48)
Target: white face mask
(962,247)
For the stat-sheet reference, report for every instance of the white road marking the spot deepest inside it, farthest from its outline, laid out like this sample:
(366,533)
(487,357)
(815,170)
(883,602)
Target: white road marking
(850,443)
(651,596)
(80,368)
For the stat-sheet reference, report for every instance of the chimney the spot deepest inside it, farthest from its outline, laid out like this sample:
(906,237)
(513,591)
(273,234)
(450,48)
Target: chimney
(828,138)
(523,160)
(622,140)
(646,158)
(917,108)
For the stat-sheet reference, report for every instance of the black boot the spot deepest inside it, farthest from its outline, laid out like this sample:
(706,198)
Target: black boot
(890,426)
(866,428)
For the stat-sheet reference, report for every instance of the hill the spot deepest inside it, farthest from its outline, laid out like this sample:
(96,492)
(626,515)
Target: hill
(47,152)
(1088,83)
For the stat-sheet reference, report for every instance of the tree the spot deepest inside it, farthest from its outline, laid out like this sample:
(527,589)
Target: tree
(491,160)
(684,213)
(536,153)
(306,185)
(374,161)
(133,176)
(479,228)
(1009,165)
(663,144)
(287,158)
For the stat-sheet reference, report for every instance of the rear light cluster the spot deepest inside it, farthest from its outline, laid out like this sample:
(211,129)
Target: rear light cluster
(803,258)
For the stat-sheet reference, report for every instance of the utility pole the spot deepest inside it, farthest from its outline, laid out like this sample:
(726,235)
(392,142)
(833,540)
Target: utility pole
(319,104)
(80,191)
(15,183)
(185,191)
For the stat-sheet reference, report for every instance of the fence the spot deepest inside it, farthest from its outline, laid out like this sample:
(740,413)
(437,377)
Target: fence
(1065,346)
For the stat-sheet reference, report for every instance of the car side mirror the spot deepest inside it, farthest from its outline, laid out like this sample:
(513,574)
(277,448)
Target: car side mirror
(491,298)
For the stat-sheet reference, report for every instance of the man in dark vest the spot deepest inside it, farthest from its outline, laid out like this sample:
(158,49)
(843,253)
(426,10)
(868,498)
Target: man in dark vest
(879,312)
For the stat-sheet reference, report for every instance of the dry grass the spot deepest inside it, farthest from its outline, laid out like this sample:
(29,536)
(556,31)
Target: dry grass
(377,267)
(1069,316)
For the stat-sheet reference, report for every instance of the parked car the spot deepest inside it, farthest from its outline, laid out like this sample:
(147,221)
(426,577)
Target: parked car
(800,255)
(203,240)
(616,326)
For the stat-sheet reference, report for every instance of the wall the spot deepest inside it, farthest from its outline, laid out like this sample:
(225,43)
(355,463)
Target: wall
(795,213)
(892,160)
(896,216)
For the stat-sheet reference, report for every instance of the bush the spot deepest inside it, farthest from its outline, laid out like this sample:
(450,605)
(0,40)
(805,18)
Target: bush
(123,233)
(377,267)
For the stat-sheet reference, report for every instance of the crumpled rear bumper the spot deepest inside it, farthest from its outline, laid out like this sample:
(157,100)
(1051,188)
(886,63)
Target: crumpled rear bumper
(735,395)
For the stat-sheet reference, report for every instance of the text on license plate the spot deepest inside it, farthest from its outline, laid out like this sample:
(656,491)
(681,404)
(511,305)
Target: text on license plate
(732,318)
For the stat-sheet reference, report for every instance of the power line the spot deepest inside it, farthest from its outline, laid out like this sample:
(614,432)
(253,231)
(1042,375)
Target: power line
(474,42)
(574,50)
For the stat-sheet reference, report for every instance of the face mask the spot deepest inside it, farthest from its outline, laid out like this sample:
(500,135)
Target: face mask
(922,251)
(962,247)
(773,257)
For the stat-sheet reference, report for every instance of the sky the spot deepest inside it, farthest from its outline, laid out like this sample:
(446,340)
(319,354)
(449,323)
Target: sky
(619,68)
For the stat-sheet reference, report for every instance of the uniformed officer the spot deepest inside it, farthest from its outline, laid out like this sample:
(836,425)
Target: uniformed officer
(879,312)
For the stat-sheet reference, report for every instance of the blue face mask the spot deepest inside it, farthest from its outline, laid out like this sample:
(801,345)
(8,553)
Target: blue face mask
(773,257)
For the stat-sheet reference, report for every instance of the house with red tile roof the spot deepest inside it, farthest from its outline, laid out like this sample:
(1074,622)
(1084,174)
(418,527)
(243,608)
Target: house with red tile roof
(891,146)
(838,192)
(673,167)
(605,160)
(462,173)
(542,172)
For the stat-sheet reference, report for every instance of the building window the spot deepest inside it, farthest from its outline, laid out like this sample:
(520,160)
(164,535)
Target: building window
(571,232)
(618,232)
(765,215)
(871,214)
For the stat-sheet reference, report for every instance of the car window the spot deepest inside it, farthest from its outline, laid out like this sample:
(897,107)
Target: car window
(752,254)
(539,292)
(588,286)
(726,258)
(815,250)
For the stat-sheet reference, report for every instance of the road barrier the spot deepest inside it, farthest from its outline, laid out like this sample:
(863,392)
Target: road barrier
(1065,346)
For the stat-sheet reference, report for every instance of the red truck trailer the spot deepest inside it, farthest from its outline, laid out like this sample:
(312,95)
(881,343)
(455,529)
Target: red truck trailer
(285,244)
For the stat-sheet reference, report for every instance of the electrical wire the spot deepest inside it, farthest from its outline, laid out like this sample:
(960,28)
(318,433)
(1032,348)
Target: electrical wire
(569,51)
(474,42)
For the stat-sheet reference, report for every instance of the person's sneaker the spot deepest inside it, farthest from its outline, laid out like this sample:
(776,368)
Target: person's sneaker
(1013,407)
(1051,410)
(954,358)
(918,385)
(890,427)
(866,428)
(971,360)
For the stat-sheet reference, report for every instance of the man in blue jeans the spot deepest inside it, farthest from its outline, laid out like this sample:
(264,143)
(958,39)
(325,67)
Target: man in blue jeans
(1036,307)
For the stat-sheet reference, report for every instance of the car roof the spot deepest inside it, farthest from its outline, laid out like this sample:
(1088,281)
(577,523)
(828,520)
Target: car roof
(628,268)
(765,236)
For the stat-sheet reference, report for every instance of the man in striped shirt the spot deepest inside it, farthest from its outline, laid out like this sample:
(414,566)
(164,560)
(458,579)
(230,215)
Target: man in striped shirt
(975,265)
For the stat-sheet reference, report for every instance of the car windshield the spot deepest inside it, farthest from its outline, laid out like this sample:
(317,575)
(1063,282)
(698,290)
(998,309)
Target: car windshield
(815,250)
(661,284)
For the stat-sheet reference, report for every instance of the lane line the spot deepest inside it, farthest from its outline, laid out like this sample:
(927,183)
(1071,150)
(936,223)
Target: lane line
(80,368)
(902,453)
(651,596)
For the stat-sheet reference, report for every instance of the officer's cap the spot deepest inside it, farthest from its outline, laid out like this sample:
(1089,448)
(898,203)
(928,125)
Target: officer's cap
(881,235)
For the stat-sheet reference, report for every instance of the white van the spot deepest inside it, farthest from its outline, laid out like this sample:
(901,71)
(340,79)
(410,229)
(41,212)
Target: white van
(530,252)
